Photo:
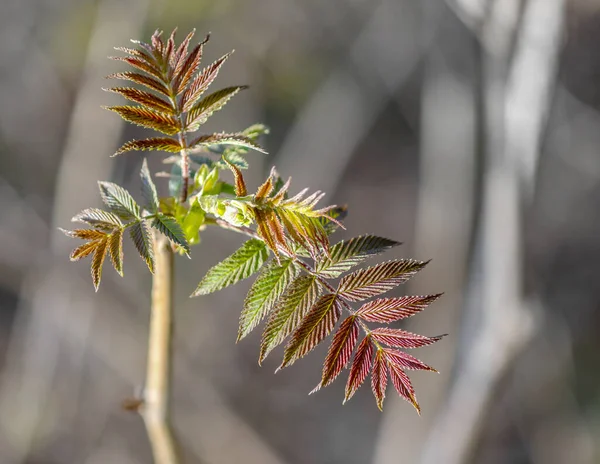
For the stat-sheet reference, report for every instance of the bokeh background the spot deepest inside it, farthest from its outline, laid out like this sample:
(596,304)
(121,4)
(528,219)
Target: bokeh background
(468,129)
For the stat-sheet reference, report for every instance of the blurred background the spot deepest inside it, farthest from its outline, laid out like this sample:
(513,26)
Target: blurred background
(468,129)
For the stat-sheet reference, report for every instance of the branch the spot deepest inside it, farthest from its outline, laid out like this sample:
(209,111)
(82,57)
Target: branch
(155,409)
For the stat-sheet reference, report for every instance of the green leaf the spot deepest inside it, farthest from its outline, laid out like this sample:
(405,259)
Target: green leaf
(142,239)
(192,222)
(119,201)
(175,181)
(201,111)
(349,253)
(288,312)
(224,138)
(266,290)
(148,188)
(98,218)
(240,265)
(316,325)
(169,227)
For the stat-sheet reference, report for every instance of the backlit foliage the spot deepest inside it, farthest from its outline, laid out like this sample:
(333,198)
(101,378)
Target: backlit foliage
(309,287)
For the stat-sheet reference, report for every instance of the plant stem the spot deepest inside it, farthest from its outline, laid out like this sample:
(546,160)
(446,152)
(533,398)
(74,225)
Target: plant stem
(156,407)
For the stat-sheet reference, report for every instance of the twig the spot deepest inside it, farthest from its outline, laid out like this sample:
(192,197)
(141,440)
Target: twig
(155,409)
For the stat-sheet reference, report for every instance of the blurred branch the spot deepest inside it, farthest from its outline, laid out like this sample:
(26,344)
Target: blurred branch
(505,322)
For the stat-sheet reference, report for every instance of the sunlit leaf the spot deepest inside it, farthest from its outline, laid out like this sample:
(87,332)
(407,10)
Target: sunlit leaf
(340,351)
(201,111)
(361,366)
(148,188)
(377,279)
(349,253)
(170,228)
(141,236)
(119,201)
(247,260)
(148,118)
(115,249)
(156,143)
(401,338)
(98,218)
(403,385)
(144,98)
(147,81)
(393,309)
(264,293)
(201,83)
(379,377)
(97,262)
(288,312)
(316,325)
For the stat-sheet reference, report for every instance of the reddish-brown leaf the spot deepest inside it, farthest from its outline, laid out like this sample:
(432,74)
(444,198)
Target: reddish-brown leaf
(379,379)
(189,67)
(317,324)
(372,281)
(147,81)
(97,261)
(150,119)
(361,365)
(403,385)
(240,184)
(340,351)
(393,309)
(181,54)
(140,64)
(84,250)
(144,98)
(406,361)
(85,234)
(201,83)
(154,143)
(401,338)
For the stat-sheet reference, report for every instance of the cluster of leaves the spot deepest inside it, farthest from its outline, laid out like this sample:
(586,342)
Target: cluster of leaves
(303,307)
(297,291)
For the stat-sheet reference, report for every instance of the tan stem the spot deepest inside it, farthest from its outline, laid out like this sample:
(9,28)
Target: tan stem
(156,408)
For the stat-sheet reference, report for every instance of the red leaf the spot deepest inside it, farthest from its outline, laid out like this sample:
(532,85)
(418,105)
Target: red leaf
(318,323)
(393,309)
(365,283)
(340,351)
(406,360)
(379,379)
(201,83)
(403,385)
(360,367)
(402,339)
